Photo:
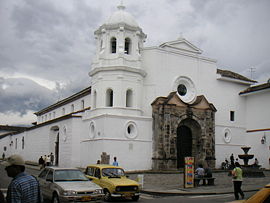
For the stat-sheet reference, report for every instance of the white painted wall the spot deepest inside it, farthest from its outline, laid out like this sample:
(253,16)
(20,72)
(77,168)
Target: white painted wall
(110,136)
(58,112)
(164,67)
(119,82)
(258,110)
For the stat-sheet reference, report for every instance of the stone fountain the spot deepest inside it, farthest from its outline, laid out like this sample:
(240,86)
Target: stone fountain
(249,170)
(246,157)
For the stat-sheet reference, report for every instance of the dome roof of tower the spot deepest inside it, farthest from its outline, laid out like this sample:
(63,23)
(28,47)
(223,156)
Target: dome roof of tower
(121,16)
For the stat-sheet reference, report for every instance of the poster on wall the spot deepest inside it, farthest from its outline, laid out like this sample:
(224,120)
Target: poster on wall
(189,172)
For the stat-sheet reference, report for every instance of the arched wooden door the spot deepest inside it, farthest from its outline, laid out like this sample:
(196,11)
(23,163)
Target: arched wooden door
(184,144)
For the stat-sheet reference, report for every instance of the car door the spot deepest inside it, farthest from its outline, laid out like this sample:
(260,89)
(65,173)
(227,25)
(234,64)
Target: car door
(49,183)
(94,174)
(43,183)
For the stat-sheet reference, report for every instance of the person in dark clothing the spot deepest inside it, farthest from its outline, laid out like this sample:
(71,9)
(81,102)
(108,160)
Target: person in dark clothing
(208,172)
(232,161)
(41,162)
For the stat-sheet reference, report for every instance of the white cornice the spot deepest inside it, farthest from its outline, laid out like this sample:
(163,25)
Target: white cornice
(181,53)
(118,68)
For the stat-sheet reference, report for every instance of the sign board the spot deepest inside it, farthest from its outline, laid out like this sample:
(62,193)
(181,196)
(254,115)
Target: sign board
(189,172)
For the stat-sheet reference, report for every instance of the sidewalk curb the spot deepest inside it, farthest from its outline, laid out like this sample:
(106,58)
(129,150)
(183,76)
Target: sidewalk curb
(183,193)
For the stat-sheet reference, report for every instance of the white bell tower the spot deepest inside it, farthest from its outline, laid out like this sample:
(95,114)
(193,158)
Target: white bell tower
(117,74)
(116,122)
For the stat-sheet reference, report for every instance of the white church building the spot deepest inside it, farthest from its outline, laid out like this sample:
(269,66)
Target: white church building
(150,107)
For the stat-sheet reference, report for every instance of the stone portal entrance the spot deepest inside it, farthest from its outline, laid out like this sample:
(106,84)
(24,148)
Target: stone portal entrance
(182,130)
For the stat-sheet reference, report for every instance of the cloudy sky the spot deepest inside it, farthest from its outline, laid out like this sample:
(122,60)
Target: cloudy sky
(46,46)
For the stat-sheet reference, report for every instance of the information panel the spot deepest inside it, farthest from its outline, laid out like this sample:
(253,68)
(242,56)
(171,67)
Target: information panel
(189,172)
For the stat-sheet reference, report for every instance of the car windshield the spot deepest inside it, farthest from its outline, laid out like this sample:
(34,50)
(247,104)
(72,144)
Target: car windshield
(113,172)
(69,175)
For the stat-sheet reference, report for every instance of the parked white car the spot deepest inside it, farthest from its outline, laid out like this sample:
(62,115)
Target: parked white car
(68,185)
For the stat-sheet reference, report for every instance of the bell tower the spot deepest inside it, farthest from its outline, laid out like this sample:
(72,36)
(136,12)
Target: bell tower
(117,74)
(119,41)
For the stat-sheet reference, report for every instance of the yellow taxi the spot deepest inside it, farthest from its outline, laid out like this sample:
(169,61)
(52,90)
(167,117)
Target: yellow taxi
(262,196)
(113,181)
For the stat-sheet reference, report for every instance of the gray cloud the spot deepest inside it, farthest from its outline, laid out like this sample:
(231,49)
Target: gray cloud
(20,95)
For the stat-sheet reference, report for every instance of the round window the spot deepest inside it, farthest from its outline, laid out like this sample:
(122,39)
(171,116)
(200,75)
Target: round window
(185,89)
(131,130)
(182,90)
(227,135)
(92,130)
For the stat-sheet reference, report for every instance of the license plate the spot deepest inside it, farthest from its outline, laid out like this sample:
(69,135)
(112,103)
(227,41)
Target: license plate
(128,195)
(85,198)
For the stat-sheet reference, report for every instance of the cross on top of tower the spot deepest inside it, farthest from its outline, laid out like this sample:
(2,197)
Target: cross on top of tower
(121,6)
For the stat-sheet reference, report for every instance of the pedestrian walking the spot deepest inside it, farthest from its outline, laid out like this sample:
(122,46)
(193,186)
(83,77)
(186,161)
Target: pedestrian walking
(47,160)
(41,162)
(115,162)
(51,159)
(23,187)
(237,175)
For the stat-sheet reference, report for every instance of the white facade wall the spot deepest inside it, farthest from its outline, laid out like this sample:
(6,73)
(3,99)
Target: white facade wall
(41,141)
(258,125)
(110,135)
(258,111)
(164,67)
(58,112)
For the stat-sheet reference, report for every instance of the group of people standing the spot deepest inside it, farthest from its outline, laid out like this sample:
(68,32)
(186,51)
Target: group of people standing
(46,160)
(201,172)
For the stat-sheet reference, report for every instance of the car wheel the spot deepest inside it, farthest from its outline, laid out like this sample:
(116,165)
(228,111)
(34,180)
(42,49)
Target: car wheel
(55,198)
(135,198)
(107,196)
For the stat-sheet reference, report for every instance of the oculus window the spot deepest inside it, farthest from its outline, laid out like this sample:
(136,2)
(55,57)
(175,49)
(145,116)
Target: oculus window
(185,89)
(131,130)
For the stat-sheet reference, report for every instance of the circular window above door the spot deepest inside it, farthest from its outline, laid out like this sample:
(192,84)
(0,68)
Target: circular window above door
(185,89)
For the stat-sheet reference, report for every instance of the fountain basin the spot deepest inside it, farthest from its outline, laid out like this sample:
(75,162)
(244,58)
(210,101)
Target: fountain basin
(246,156)
(245,149)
